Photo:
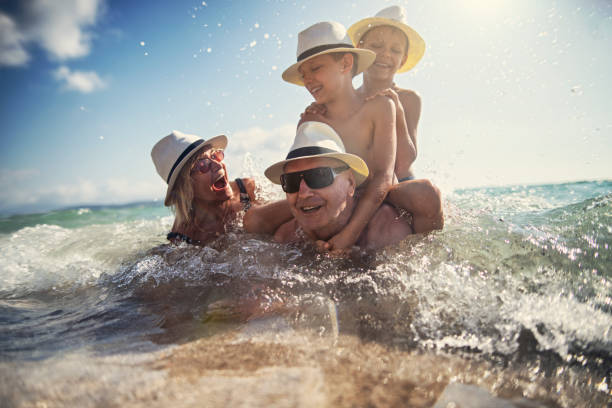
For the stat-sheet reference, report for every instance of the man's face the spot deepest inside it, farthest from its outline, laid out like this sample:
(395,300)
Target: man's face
(320,211)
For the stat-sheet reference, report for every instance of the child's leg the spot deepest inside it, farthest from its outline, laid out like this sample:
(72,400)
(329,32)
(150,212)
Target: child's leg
(422,199)
(266,218)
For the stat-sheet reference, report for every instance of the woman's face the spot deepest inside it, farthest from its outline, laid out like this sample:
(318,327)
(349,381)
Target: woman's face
(209,177)
(389,44)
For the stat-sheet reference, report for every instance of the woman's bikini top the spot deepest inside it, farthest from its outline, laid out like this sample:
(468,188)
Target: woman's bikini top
(244,199)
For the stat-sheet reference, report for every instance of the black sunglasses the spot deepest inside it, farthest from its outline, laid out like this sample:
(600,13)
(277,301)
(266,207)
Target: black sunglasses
(315,178)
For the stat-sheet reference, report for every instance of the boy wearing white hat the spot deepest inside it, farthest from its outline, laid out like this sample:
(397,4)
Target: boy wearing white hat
(326,64)
(398,49)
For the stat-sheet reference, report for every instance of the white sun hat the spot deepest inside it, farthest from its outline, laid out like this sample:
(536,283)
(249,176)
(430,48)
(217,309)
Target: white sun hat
(393,16)
(318,139)
(324,38)
(172,152)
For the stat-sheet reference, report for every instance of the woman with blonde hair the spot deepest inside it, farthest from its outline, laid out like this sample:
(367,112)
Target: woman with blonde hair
(205,202)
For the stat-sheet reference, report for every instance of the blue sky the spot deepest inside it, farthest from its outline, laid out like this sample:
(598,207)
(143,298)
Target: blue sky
(514,91)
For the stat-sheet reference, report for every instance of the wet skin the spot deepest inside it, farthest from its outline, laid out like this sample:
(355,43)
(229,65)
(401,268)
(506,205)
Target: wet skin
(212,185)
(322,211)
(389,44)
(320,75)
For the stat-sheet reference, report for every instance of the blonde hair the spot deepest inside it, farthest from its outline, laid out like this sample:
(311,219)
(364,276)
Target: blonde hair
(181,196)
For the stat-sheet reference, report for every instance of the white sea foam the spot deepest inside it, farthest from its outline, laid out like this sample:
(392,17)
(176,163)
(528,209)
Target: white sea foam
(49,257)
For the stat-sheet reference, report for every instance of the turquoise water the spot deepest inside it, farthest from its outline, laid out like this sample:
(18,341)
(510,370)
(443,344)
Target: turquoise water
(519,280)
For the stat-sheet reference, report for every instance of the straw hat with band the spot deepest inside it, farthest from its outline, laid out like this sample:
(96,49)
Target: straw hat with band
(393,16)
(324,38)
(317,139)
(172,152)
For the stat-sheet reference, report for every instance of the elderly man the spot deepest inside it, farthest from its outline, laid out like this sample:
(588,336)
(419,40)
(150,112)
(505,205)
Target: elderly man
(322,185)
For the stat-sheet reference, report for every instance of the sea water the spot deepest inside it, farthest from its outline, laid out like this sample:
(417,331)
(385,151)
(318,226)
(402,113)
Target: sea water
(513,299)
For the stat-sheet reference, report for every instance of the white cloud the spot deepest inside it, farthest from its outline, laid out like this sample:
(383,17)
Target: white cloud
(16,196)
(261,147)
(61,28)
(12,48)
(255,139)
(82,81)
(249,152)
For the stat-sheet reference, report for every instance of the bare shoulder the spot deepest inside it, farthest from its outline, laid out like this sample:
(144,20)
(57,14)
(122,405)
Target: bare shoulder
(379,105)
(249,184)
(408,97)
(287,232)
(387,227)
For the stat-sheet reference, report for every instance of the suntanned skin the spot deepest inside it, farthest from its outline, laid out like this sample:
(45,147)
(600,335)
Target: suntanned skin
(359,121)
(390,46)
(371,126)
(214,206)
(322,213)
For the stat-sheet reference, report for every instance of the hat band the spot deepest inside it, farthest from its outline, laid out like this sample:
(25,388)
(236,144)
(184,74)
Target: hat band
(320,48)
(308,151)
(188,150)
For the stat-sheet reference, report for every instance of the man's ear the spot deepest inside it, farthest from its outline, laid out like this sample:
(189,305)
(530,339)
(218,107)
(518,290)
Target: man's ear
(352,184)
(404,59)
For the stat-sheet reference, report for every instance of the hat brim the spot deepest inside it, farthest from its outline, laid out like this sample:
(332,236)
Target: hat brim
(365,58)
(217,142)
(416,44)
(356,163)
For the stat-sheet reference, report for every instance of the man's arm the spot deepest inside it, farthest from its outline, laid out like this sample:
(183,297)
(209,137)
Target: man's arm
(381,164)
(287,232)
(266,218)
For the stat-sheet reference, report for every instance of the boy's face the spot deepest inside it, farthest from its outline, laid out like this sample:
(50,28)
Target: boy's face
(320,74)
(389,44)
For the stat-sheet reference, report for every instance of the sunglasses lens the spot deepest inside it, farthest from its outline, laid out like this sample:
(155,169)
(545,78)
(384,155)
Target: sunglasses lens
(291,182)
(315,178)
(319,178)
(217,155)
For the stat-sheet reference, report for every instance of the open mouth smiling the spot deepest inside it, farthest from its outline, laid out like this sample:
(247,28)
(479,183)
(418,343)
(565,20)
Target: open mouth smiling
(382,65)
(220,183)
(315,89)
(308,209)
